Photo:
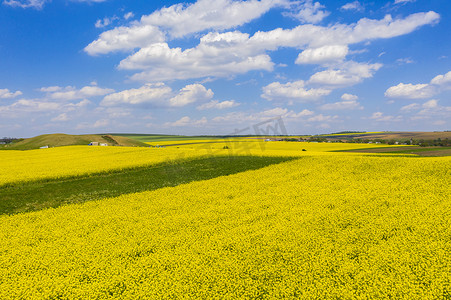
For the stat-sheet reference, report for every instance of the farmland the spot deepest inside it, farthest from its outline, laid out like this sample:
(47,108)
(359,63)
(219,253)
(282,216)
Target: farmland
(231,219)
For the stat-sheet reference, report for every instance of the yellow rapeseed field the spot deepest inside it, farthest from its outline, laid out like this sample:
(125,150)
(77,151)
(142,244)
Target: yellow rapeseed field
(81,160)
(61,162)
(335,226)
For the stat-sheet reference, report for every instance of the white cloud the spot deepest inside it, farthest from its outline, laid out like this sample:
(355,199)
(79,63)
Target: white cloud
(218,55)
(322,118)
(429,110)
(349,97)
(39,4)
(147,94)
(310,12)
(380,117)
(6,94)
(71,93)
(303,113)
(420,91)
(404,61)
(215,104)
(403,1)
(241,117)
(60,118)
(187,122)
(325,54)
(100,23)
(410,91)
(180,19)
(41,105)
(443,81)
(294,91)
(128,15)
(313,36)
(348,102)
(410,107)
(102,123)
(229,53)
(190,94)
(353,6)
(305,116)
(36,4)
(430,104)
(345,74)
(124,39)
(159,95)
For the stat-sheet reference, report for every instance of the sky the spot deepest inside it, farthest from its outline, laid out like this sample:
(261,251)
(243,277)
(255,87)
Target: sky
(218,67)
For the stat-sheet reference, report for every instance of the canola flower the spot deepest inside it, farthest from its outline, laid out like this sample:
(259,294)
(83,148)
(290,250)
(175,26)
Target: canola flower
(319,227)
(60,162)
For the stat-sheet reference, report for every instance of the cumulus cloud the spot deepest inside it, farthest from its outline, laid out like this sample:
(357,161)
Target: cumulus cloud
(420,91)
(217,55)
(60,118)
(147,94)
(39,4)
(159,95)
(353,6)
(292,91)
(100,23)
(125,38)
(225,54)
(380,117)
(180,19)
(128,15)
(36,4)
(190,94)
(6,94)
(345,74)
(41,105)
(429,110)
(71,93)
(428,105)
(215,104)
(230,53)
(187,122)
(403,1)
(443,81)
(348,102)
(325,54)
(310,12)
(410,91)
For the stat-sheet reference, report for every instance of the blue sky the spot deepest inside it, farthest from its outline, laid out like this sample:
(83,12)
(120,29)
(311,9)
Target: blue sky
(210,67)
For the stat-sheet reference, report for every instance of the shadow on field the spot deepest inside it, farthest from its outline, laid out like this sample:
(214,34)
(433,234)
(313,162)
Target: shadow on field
(37,195)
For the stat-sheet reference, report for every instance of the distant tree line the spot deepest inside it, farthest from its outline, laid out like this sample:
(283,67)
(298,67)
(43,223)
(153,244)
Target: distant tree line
(419,142)
(9,140)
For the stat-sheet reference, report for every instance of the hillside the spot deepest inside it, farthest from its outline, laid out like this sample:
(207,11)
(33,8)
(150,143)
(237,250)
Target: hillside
(59,139)
(392,135)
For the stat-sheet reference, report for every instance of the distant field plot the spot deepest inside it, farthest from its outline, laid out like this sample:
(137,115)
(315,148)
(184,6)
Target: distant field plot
(421,151)
(332,226)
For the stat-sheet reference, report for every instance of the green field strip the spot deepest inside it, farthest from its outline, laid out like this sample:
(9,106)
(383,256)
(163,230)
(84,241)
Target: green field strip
(33,196)
(423,151)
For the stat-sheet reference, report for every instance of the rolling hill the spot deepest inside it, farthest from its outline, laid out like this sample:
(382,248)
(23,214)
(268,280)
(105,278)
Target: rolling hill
(59,139)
